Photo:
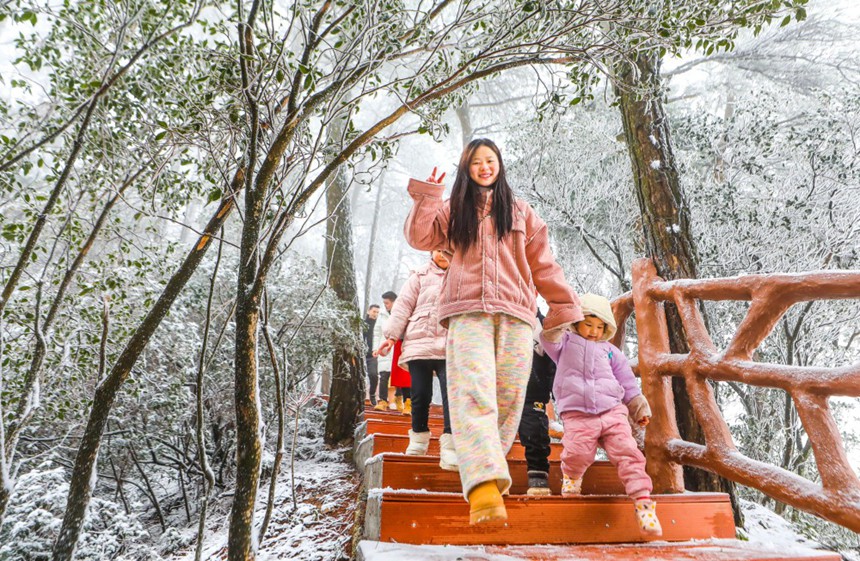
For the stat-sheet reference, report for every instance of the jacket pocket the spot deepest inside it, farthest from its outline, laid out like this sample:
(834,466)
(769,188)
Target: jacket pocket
(516,254)
(418,325)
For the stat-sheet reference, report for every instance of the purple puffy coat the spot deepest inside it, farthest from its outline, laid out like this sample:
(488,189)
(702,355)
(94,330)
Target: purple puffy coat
(415,316)
(592,376)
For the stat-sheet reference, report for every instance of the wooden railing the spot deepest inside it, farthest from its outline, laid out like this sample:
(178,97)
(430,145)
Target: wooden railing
(837,496)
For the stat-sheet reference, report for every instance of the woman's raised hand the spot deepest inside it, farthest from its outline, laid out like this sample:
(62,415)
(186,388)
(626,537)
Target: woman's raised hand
(434,179)
(384,348)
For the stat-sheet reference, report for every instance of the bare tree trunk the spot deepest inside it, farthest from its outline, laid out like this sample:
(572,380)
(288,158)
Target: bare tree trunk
(465,117)
(368,275)
(665,220)
(246,398)
(346,399)
(279,410)
(208,475)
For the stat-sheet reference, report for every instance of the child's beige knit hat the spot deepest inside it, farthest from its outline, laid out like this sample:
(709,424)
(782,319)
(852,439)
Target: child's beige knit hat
(598,306)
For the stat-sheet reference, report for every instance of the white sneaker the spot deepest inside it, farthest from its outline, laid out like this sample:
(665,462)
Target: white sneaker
(447,453)
(418,443)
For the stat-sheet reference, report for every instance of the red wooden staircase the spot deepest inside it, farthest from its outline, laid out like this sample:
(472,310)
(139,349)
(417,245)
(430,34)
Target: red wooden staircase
(412,503)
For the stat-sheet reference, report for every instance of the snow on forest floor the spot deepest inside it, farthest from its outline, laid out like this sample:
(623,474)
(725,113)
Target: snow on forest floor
(321,526)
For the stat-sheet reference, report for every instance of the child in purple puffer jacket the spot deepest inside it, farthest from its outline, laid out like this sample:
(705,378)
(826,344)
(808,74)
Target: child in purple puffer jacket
(595,389)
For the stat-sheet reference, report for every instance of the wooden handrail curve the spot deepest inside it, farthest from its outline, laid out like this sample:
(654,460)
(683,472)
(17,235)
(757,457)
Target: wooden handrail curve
(837,496)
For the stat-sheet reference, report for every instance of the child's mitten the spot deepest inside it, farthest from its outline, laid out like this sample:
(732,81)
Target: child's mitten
(639,409)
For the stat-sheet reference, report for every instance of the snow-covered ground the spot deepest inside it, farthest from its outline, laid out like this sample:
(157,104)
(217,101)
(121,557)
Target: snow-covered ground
(319,527)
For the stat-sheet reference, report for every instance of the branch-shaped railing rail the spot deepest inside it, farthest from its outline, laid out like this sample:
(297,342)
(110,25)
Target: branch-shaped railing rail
(837,496)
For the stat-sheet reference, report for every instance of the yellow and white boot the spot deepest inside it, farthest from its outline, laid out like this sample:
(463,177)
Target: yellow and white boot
(571,487)
(398,403)
(646,515)
(407,408)
(486,504)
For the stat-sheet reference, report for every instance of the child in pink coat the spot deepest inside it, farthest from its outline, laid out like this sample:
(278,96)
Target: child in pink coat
(595,389)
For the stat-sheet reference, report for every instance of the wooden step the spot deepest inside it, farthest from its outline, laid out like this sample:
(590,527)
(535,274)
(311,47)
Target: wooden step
(367,446)
(443,518)
(396,471)
(435,408)
(396,416)
(397,426)
(705,550)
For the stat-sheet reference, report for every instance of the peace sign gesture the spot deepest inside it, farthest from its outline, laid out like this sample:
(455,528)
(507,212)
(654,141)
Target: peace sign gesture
(434,179)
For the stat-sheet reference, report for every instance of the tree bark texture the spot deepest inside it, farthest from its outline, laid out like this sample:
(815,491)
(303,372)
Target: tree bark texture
(346,397)
(246,392)
(665,221)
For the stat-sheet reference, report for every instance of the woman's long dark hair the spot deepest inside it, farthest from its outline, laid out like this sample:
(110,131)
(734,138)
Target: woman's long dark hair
(463,225)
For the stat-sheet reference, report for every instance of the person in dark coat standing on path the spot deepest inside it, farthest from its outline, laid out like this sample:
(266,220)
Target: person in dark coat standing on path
(372,362)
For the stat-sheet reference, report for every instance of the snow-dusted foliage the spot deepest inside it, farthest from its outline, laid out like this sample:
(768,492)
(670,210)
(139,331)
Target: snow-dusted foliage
(36,511)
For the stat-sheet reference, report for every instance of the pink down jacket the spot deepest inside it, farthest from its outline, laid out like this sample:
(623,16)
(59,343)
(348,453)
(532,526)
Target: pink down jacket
(415,316)
(493,276)
(592,376)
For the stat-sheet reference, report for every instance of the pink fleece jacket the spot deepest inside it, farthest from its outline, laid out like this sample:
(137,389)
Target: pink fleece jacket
(493,276)
(414,317)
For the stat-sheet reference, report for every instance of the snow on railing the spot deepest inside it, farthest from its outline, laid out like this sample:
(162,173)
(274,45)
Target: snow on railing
(837,497)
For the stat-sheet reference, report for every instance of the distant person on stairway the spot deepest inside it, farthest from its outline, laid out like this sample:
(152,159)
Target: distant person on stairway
(370,359)
(595,390)
(500,252)
(399,381)
(386,392)
(415,320)
(534,424)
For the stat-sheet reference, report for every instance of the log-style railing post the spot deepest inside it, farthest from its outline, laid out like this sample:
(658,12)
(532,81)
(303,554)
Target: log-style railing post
(653,336)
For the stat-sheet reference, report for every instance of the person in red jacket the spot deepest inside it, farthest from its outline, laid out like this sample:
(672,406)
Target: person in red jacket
(501,253)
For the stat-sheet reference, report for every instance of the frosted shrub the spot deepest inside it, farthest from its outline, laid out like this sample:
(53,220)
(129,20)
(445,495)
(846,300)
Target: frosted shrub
(35,515)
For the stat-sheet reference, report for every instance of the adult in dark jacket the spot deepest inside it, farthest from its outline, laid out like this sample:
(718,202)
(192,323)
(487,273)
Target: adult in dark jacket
(372,362)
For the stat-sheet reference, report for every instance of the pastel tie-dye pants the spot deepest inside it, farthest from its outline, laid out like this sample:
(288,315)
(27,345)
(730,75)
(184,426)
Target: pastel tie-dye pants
(489,359)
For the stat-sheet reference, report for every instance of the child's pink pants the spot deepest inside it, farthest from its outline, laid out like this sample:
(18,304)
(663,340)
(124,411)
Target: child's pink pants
(583,432)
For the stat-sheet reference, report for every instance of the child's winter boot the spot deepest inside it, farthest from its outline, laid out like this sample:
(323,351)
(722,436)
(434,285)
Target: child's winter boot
(447,453)
(407,408)
(418,443)
(571,487)
(398,403)
(381,405)
(486,504)
(646,515)
(538,484)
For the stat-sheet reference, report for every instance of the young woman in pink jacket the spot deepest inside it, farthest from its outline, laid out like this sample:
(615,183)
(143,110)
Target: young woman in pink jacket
(500,254)
(414,319)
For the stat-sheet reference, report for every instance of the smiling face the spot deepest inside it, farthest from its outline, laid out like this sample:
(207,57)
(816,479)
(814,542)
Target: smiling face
(440,259)
(484,166)
(591,328)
